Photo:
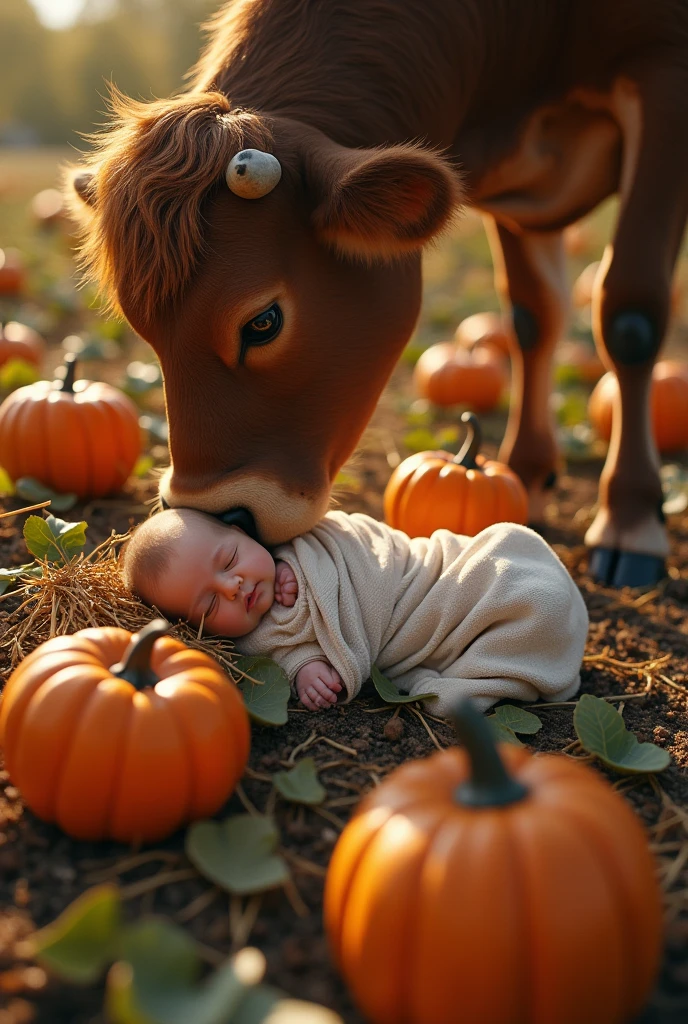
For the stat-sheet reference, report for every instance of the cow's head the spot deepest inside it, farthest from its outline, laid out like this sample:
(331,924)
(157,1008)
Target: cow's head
(277,290)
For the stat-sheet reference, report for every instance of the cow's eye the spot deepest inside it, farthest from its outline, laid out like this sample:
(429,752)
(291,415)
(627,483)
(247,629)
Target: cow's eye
(262,328)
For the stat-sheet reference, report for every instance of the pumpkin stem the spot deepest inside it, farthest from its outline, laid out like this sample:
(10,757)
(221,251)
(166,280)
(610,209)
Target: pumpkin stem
(471,446)
(135,665)
(489,784)
(70,373)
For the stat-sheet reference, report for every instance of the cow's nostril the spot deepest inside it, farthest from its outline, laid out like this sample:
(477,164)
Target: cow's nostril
(242,518)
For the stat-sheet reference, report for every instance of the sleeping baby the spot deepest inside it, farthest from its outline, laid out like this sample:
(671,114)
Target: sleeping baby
(492,616)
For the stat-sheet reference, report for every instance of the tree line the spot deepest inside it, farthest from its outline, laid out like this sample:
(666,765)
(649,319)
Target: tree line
(53,83)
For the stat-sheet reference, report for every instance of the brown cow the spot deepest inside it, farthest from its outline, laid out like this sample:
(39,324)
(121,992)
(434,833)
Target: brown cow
(277,320)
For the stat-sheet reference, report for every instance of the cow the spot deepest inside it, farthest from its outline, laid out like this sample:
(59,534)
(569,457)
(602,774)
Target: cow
(263,231)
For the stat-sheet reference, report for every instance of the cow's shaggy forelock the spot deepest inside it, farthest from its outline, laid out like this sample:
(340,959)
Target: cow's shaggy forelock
(155,165)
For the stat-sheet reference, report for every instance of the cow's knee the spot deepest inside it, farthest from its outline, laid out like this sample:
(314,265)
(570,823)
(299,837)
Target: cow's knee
(633,338)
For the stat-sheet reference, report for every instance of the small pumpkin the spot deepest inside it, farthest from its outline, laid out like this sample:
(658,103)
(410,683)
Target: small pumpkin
(668,405)
(487,330)
(464,493)
(492,887)
(78,437)
(17,341)
(12,274)
(120,736)
(448,375)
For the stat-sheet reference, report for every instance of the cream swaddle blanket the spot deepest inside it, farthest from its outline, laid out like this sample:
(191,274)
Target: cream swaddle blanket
(491,616)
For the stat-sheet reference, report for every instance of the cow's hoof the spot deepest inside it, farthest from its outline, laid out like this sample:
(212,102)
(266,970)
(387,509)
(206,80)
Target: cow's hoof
(625,568)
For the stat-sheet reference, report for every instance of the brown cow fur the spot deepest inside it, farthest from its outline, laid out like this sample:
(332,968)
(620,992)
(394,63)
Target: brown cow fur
(383,113)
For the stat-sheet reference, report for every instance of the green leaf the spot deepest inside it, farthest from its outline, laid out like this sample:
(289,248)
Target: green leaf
(517,719)
(390,694)
(238,853)
(502,733)
(160,986)
(602,731)
(143,466)
(419,440)
(34,491)
(121,1006)
(54,539)
(6,483)
(301,785)
(80,942)
(17,373)
(348,482)
(8,577)
(267,698)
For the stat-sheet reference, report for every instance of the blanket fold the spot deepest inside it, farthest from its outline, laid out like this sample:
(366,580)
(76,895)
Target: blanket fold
(493,616)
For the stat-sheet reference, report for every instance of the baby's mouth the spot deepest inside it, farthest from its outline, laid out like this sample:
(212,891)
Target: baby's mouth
(251,598)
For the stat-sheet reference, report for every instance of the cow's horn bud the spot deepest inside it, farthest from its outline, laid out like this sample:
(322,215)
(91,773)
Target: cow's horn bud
(252,173)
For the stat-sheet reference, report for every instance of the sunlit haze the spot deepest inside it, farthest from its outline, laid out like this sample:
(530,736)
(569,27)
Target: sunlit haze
(58,13)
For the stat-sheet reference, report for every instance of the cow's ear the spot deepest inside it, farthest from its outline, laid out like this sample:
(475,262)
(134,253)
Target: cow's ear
(84,185)
(381,203)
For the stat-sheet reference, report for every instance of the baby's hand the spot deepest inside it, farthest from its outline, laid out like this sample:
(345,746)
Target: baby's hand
(317,685)
(286,586)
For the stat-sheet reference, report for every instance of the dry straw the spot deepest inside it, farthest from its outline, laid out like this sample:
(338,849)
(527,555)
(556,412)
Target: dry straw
(90,591)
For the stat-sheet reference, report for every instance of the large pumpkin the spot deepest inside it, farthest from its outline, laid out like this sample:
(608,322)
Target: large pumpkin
(464,493)
(446,374)
(17,341)
(487,888)
(78,437)
(668,405)
(114,736)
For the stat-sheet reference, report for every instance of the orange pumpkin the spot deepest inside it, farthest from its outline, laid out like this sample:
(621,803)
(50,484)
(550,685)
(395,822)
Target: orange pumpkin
(75,437)
(494,888)
(17,341)
(464,493)
(448,375)
(114,736)
(12,275)
(668,405)
(487,330)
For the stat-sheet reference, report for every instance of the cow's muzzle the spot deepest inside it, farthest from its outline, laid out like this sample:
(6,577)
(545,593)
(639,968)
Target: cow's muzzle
(236,516)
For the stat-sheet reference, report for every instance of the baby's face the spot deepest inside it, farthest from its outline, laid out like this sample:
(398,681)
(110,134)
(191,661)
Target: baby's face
(218,575)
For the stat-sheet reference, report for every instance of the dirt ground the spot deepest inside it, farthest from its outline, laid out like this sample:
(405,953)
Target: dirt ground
(41,870)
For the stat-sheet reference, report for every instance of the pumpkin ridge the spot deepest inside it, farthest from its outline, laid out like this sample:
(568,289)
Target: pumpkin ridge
(120,461)
(164,705)
(548,839)
(67,733)
(632,992)
(526,917)
(406,986)
(72,740)
(337,919)
(116,777)
(169,709)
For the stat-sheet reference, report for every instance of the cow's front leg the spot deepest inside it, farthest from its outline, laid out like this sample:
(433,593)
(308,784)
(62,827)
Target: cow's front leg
(530,277)
(631,305)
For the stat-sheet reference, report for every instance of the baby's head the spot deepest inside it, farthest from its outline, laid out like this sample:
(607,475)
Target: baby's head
(192,566)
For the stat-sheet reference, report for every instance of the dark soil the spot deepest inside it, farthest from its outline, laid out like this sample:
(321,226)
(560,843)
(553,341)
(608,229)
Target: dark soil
(41,870)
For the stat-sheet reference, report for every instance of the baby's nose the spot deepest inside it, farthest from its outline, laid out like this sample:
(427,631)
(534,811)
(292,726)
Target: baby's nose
(231,586)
